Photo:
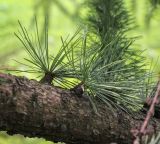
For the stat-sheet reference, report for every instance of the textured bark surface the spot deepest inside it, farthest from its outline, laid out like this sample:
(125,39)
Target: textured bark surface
(40,110)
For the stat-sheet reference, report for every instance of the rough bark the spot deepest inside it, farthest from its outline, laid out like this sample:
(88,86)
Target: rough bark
(40,110)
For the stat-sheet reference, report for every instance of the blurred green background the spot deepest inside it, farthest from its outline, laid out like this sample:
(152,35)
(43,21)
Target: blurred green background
(64,18)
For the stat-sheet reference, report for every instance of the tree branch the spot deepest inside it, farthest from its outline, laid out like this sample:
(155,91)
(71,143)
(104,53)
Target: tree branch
(33,109)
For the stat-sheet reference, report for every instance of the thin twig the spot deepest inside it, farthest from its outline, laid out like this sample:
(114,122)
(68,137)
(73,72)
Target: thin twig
(150,113)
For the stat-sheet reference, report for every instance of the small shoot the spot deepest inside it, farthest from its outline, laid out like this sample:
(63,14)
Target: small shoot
(41,61)
(114,83)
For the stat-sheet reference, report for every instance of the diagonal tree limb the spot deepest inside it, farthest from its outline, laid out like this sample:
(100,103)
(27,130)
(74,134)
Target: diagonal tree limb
(38,110)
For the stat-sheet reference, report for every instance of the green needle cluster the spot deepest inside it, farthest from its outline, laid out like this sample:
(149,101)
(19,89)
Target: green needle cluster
(98,62)
(79,61)
(113,83)
(50,66)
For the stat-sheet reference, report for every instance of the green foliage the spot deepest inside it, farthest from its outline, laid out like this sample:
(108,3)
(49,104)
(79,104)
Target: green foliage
(155,139)
(100,58)
(111,22)
(155,2)
(40,61)
(117,72)
(114,83)
(103,59)
(19,139)
(38,53)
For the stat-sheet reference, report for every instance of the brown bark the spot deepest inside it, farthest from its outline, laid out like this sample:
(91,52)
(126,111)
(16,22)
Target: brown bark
(33,109)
